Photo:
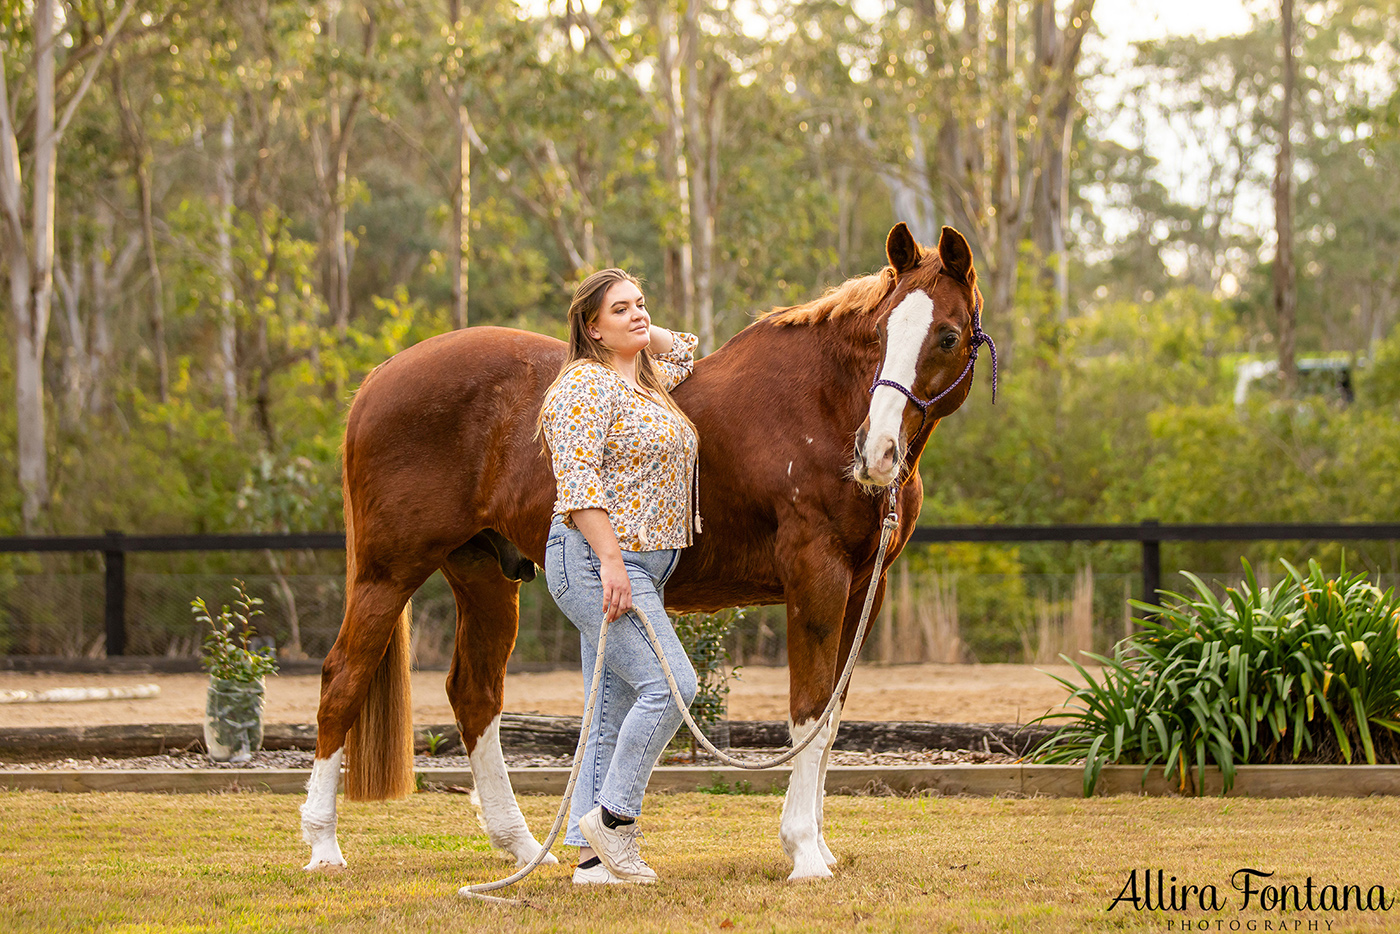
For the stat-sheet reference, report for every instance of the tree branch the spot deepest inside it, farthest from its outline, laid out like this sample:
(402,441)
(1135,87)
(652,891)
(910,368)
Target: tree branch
(106,43)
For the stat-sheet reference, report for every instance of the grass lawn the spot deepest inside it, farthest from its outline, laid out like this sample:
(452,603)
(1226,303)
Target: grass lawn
(165,863)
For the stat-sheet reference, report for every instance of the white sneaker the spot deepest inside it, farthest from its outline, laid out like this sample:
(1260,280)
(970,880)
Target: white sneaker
(620,848)
(596,874)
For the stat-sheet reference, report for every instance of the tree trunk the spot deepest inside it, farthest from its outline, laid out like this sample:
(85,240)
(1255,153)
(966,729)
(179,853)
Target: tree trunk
(228,327)
(680,276)
(462,185)
(1052,196)
(30,259)
(29,393)
(1285,292)
(74,365)
(31,276)
(461,215)
(141,174)
(332,153)
(702,207)
(293,647)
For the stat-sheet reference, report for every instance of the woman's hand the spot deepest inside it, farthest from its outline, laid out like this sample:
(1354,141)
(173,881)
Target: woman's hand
(617,586)
(617,589)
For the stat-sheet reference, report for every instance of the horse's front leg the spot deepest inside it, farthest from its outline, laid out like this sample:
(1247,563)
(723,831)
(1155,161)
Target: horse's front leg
(818,582)
(854,604)
(488,615)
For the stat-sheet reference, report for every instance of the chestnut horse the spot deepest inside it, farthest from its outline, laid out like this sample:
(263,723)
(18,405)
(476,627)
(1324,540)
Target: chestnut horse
(442,472)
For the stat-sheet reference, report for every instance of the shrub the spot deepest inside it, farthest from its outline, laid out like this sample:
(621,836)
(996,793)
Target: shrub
(1306,671)
(705,637)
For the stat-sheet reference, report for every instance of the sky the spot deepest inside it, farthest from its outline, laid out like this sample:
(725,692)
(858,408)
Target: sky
(1125,21)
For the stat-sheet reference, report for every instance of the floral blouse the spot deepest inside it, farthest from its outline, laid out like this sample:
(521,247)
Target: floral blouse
(614,448)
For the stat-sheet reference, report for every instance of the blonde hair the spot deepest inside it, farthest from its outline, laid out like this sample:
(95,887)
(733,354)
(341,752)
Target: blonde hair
(587,304)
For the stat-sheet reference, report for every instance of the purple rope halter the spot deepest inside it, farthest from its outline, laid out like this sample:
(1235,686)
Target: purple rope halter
(979,337)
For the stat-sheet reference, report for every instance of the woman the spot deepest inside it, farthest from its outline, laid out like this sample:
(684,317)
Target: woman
(624,458)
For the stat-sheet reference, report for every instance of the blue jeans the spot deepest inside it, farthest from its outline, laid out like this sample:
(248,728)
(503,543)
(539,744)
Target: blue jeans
(635,717)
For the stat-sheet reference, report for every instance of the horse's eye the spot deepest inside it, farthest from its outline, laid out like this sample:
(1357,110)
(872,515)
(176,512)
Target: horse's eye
(950,340)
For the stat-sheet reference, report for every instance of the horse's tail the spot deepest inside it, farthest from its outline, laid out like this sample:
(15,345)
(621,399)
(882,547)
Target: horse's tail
(379,745)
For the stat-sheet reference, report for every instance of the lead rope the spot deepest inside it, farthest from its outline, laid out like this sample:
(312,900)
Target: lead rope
(887,530)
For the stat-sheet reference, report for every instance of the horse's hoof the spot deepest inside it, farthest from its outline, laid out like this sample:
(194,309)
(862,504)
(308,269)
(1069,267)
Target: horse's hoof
(809,866)
(827,856)
(324,865)
(522,858)
(325,856)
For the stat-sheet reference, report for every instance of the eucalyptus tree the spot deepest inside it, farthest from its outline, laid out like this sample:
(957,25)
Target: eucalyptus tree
(965,112)
(38,97)
(1221,97)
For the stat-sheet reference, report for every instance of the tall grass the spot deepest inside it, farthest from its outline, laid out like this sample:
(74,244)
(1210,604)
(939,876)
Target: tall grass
(1305,671)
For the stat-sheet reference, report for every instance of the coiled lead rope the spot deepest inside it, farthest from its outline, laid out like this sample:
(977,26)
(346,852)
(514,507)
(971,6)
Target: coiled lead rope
(886,533)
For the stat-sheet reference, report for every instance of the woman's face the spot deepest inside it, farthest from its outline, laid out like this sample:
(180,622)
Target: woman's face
(623,325)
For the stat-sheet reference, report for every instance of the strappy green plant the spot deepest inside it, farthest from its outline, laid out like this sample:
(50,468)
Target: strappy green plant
(1307,670)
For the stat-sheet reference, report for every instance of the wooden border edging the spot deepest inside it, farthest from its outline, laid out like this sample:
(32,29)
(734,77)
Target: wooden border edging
(1258,781)
(519,733)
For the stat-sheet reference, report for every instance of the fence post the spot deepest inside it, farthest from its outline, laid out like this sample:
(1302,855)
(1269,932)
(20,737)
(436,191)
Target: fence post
(114,558)
(1151,563)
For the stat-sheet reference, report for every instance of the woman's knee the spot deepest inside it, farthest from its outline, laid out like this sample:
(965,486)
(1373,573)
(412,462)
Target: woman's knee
(688,684)
(659,694)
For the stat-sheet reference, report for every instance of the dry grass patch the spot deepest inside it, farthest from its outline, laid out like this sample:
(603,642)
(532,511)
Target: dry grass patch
(158,863)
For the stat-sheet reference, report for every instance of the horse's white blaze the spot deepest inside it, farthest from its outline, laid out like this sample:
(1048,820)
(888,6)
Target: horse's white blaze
(905,332)
(500,815)
(318,813)
(800,830)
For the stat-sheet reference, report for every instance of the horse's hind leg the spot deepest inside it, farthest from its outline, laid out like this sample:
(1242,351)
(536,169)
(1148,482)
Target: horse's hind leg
(374,617)
(488,615)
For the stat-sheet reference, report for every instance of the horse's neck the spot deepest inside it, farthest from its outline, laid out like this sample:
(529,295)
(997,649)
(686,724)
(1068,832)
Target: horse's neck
(850,351)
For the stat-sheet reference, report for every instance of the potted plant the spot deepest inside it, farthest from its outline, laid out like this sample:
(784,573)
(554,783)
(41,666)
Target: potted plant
(233,728)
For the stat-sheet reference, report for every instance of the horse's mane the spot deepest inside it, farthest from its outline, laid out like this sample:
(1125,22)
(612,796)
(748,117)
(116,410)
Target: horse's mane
(858,295)
(854,296)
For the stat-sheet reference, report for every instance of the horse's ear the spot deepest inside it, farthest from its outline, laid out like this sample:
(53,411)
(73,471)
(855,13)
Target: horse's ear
(956,255)
(901,248)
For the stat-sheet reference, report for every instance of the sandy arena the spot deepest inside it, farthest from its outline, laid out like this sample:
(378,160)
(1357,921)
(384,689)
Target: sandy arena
(939,693)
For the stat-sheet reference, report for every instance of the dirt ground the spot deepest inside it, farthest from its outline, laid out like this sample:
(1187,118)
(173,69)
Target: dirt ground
(939,693)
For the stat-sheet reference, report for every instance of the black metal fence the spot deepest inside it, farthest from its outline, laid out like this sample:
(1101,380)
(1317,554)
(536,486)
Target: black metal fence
(1150,535)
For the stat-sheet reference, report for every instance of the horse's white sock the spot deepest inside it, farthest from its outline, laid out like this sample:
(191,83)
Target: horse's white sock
(318,813)
(500,814)
(800,831)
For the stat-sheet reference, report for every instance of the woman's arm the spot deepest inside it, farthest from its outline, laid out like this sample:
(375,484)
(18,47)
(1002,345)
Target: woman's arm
(661,340)
(617,587)
(674,363)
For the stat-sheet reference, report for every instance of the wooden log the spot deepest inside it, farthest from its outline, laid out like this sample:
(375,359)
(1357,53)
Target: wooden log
(519,733)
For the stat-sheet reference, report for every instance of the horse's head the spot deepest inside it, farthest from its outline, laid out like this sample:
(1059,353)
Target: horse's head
(929,334)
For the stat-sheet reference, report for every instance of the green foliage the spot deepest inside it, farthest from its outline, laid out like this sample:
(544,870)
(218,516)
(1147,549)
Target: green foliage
(741,787)
(227,655)
(435,742)
(705,637)
(1307,670)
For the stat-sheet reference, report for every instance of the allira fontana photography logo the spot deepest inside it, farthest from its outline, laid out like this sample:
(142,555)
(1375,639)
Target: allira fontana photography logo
(1247,890)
